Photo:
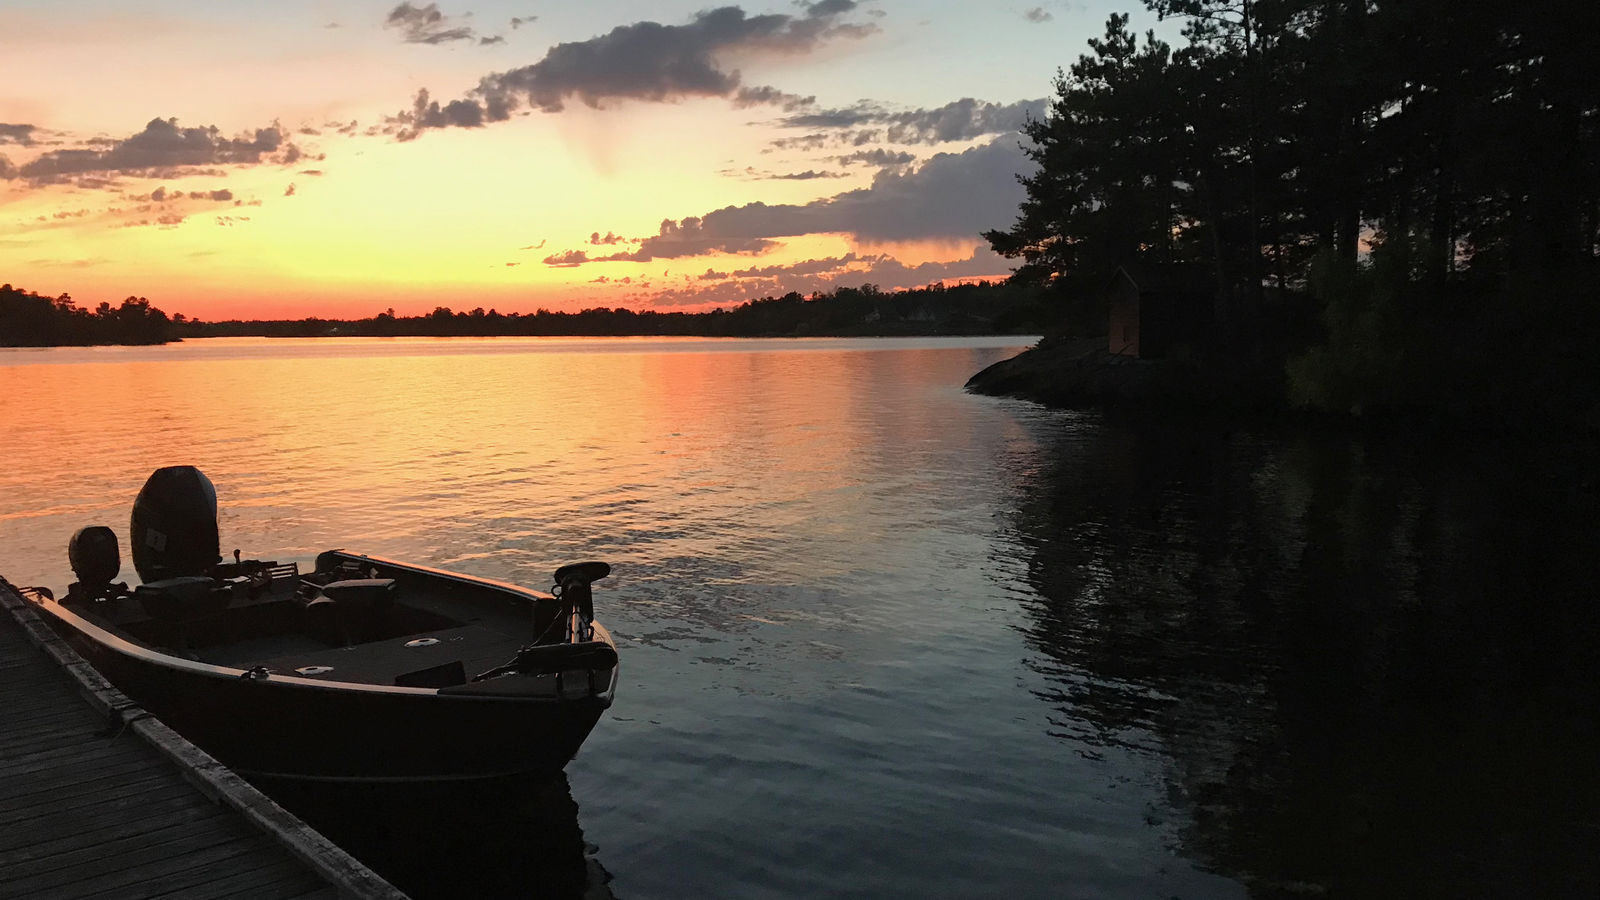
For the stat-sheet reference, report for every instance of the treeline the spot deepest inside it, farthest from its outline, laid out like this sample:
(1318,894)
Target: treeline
(31,320)
(981,308)
(1420,177)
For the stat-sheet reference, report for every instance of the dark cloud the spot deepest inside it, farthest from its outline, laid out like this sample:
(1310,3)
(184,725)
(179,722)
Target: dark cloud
(567,259)
(221,195)
(1038,15)
(653,62)
(770,96)
(807,175)
(597,240)
(809,266)
(951,196)
(425,25)
(689,237)
(162,150)
(829,7)
(879,157)
(16,134)
(829,274)
(8,169)
(427,113)
(961,120)
(519,21)
(289,191)
(804,142)
(497,39)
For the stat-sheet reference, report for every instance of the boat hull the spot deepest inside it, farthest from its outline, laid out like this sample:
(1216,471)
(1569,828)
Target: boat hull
(286,729)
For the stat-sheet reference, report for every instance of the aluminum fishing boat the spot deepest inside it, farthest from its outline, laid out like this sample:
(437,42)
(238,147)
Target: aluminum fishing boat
(363,669)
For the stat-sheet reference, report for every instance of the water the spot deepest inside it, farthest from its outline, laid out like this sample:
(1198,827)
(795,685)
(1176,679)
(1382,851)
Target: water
(882,638)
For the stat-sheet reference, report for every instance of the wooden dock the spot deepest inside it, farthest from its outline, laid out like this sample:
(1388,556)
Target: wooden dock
(99,799)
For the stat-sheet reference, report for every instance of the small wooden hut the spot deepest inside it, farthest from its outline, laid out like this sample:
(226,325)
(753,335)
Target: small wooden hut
(1154,310)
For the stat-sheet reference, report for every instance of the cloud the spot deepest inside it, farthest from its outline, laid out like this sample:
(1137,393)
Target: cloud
(879,157)
(16,134)
(951,196)
(567,259)
(608,239)
(766,95)
(652,62)
(807,175)
(519,21)
(808,276)
(689,237)
(8,169)
(1038,15)
(425,25)
(960,120)
(497,39)
(162,149)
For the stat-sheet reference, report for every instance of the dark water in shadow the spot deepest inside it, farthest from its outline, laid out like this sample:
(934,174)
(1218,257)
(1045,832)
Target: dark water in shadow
(504,838)
(1370,664)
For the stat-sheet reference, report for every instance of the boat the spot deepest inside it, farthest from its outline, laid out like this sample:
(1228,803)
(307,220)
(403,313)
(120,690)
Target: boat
(363,669)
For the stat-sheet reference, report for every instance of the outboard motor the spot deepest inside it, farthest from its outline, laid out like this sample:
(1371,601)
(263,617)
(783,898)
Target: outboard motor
(174,527)
(95,560)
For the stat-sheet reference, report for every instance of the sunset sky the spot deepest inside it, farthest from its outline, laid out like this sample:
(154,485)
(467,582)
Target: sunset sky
(339,157)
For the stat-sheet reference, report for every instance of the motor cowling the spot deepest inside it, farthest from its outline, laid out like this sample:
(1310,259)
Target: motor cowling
(94,556)
(174,526)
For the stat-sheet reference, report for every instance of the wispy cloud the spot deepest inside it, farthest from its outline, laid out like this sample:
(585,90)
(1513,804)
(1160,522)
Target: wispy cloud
(807,276)
(16,134)
(959,120)
(161,149)
(647,61)
(426,25)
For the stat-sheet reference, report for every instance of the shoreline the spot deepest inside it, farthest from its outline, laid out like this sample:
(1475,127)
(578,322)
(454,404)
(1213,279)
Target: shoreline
(1081,374)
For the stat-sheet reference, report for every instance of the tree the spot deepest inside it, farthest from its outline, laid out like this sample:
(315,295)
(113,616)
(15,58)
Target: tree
(1115,173)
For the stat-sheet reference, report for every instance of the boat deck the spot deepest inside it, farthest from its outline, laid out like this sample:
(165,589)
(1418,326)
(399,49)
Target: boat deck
(132,810)
(427,636)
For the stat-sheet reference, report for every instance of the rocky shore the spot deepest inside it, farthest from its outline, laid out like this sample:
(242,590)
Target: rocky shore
(1083,374)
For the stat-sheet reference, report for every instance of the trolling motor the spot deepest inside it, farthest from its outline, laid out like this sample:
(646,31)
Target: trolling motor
(573,603)
(563,625)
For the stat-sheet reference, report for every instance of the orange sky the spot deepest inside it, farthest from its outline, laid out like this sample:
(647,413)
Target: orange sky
(281,162)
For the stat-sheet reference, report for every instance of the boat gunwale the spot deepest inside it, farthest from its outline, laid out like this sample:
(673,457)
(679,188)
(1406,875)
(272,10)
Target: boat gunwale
(118,644)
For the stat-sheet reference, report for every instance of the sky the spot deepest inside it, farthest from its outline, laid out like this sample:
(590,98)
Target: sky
(337,158)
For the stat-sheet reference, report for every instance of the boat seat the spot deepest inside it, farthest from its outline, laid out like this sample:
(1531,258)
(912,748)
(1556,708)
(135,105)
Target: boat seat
(342,612)
(185,599)
(361,594)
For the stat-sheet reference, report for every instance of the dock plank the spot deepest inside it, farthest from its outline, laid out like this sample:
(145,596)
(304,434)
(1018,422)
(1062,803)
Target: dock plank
(94,808)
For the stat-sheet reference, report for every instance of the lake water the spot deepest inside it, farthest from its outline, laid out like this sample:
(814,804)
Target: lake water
(882,638)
